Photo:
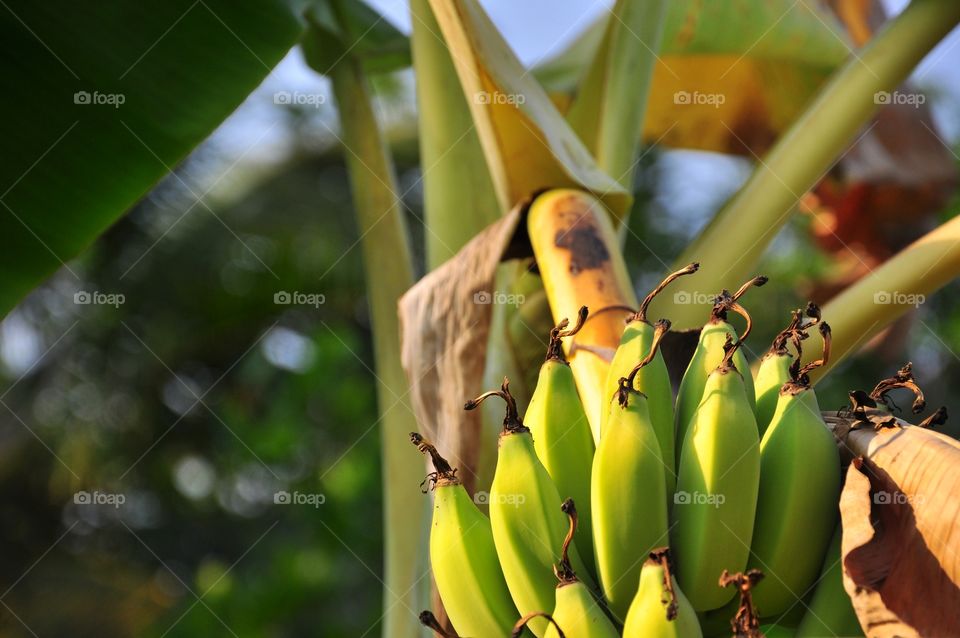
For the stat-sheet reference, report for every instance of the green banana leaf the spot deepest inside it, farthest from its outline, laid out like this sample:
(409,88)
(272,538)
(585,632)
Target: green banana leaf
(352,28)
(103,99)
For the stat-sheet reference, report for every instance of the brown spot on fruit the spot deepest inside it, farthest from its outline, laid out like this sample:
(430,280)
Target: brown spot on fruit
(587,250)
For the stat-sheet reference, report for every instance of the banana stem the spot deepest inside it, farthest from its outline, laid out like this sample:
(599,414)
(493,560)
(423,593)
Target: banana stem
(641,314)
(443,474)
(812,144)
(661,556)
(511,420)
(522,623)
(558,332)
(730,348)
(796,331)
(902,379)
(800,375)
(564,571)
(745,623)
(625,386)
(427,619)
(389,272)
(458,196)
(757,281)
(724,301)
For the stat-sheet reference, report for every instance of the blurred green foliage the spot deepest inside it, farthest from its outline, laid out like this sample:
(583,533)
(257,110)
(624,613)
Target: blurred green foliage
(199,398)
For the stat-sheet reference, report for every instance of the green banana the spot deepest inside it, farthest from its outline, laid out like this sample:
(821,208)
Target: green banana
(707,355)
(525,515)
(799,487)
(774,369)
(716,499)
(628,490)
(577,612)
(653,380)
(561,432)
(659,609)
(778,631)
(830,612)
(463,556)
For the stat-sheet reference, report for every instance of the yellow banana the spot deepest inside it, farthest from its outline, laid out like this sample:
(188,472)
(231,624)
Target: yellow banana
(561,432)
(659,609)
(774,368)
(653,380)
(577,612)
(628,490)
(830,612)
(525,515)
(463,556)
(580,263)
(799,487)
(708,354)
(719,473)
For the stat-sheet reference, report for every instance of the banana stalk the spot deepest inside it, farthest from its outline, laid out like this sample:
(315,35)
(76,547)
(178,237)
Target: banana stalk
(806,151)
(611,100)
(576,251)
(388,268)
(455,177)
(899,285)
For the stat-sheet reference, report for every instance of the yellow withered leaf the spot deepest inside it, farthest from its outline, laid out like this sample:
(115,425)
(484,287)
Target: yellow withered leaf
(900,539)
(528,144)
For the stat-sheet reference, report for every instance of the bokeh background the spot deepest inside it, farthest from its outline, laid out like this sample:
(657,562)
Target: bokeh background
(198,397)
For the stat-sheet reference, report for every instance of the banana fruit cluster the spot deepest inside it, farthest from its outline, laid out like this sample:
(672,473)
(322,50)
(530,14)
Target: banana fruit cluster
(727,485)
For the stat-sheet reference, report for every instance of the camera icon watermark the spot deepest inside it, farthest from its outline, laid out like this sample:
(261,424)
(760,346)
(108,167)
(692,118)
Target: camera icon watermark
(897,298)
(884,497)
(484,498)
(96,98)
(99,498)
(298,98)
(496,97)
(496,297)
(896,97)
(687,98)
(695,297)
(314,500)
(698,498)
(297,298)
(97,298)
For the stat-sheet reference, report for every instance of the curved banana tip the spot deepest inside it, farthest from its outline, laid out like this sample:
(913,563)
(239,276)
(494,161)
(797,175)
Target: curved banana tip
(902,379)
(427,619)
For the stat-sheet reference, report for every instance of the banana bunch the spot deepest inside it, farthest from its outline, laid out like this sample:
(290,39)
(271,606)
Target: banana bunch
(727,484)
